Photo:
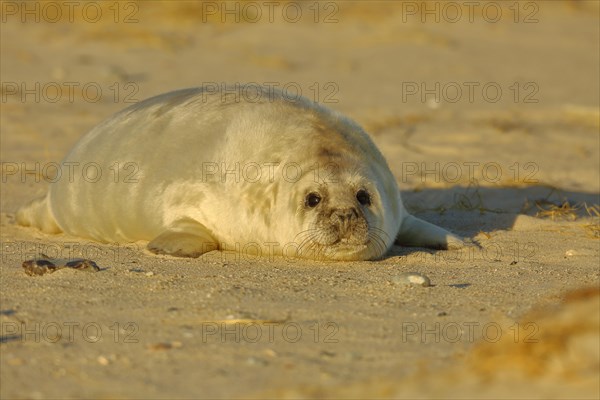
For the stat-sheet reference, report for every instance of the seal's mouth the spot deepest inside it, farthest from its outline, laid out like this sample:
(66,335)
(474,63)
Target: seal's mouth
(350,244)
(328,243)
(345,249)
(341,249)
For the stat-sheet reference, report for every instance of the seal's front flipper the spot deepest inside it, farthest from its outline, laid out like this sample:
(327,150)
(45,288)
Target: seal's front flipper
(185,238)
(419,233)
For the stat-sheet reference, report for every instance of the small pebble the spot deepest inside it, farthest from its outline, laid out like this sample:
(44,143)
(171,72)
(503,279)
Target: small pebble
(352,356)
(160,346)
(103,360)
(38,267)
(413,278)
(270,353)
(256,361)
(82,265)
(327,354)
(165,346)
(149,273)
(570,253)
(42,266)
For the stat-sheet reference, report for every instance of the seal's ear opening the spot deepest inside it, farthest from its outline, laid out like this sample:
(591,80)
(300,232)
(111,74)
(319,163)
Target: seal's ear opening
(418,233)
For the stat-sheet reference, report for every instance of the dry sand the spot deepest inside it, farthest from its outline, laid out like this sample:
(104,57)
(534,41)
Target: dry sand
(518,172)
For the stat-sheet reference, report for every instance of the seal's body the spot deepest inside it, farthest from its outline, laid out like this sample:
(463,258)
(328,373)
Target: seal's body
(197,170)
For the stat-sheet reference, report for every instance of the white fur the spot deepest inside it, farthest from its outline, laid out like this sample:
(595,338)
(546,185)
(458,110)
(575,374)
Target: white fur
(175,138)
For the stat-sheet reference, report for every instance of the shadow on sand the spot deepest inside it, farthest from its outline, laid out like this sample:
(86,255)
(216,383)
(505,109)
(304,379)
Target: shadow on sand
(468,211)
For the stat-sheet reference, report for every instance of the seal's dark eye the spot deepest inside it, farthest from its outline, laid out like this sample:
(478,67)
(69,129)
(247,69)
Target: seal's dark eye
(363,197)
(312,199)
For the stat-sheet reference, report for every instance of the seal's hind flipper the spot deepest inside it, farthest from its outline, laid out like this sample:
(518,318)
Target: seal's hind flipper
(419,233)
(37,214)
(185,238)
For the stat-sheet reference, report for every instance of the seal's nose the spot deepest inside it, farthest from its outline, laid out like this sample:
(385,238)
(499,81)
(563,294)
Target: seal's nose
(344,218)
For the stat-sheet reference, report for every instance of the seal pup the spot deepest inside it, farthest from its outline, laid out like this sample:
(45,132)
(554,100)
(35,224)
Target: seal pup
(253,170)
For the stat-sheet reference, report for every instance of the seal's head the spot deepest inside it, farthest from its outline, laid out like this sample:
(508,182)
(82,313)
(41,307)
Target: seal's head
(350,214)
(338,223)
(346,204)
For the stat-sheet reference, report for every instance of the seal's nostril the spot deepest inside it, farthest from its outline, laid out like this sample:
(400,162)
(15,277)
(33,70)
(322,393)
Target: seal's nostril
(347,214)
(344,218)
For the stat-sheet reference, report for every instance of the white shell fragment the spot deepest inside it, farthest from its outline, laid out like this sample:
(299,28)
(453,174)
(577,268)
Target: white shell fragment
(412,278)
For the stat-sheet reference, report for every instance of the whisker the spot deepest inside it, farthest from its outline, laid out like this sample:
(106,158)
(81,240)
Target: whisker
(379,243)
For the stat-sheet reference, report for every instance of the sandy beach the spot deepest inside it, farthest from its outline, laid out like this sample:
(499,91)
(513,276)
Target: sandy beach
(488,115)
